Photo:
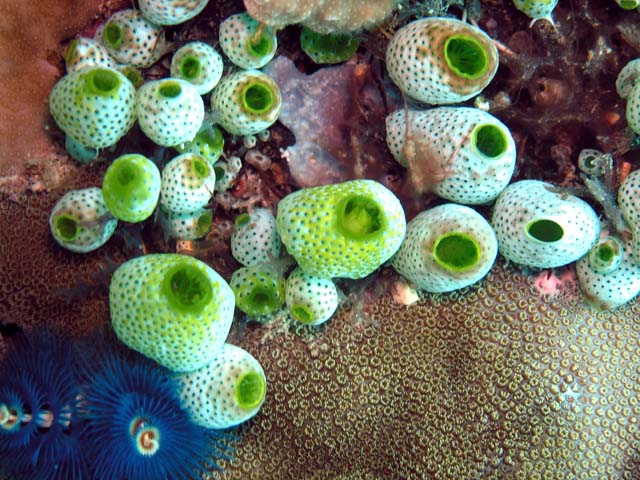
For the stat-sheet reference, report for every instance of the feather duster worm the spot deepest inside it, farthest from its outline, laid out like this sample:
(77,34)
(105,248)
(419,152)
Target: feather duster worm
(137,428)
(39,434)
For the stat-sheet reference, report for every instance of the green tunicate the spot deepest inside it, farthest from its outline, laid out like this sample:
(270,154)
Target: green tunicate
(466,56)
(330,48)
(250,390)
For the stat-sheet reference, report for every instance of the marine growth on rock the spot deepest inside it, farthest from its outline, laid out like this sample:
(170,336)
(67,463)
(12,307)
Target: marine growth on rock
(503,370)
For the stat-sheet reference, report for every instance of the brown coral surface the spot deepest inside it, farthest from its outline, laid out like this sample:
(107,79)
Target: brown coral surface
(495,382)
(492,382)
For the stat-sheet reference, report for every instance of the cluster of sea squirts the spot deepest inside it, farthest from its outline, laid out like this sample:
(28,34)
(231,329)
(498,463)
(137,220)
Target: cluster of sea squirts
(346,230)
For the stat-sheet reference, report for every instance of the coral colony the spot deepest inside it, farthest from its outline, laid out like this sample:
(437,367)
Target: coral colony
(155,400)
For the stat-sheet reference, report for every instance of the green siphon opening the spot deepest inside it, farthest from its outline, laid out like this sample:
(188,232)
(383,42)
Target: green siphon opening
(466,56)
(629,4)
(190,67)
(490,140)
(545,230)
(302,313)
(606,255)
(126,174)
(170,89)
(102,81)
(66,227)
(260,47)
(133,75)
(590,162)
(209,142)
(242,220)
(457,252)
(200,167)
(203,225)
(219,171)
(187,288)
(113,35)
(360,217)
(250,390)
(257,97)
(263,300)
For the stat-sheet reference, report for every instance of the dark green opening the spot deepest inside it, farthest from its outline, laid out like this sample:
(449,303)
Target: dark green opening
(200,167)
(629,4)
(102,81)
(360,217)
(261,46)
(250,390)
(242,219)
(490,140)
(465,56)
(257,97)
(113,35)
(210,139)
(126,174)
(133,75)
(66,227)
(170,89)
(605,253)
(263,300)
(187,288)
(457,251)
(203,225)
(590,162)
(544,230)
(302,313)
(190,67)
(219,171)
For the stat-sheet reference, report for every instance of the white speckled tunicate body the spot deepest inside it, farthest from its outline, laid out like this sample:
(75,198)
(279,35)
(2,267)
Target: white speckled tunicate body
(228,103)
(236,35)
(93,118)
(573,224)
(209,70)
(611,289)
(255,239)
(629,198)
(536,9)
(171,12)
(417,64)
(170,111)
(94,225)
(448,136)
(310,300)
(187,183)
(140,44)
(415,260)
(209,394)
(633,108)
